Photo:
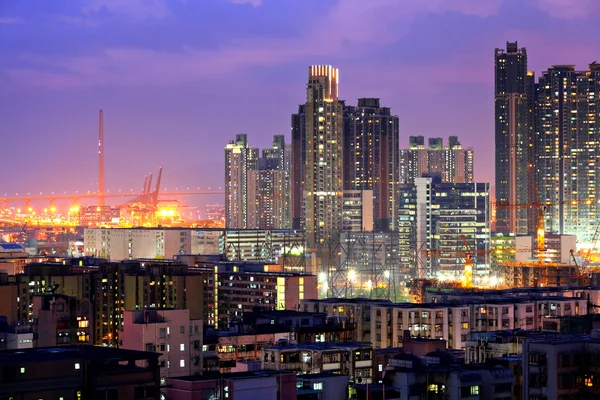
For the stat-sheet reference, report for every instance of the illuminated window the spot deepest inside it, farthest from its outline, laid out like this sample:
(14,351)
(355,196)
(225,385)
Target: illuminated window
(182,363)
(465,325)
(182,347)
(77,366)
(318,386)
(474,390)
(84,323)
(22,370)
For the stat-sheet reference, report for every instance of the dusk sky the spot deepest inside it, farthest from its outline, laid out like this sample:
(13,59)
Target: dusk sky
(177,79)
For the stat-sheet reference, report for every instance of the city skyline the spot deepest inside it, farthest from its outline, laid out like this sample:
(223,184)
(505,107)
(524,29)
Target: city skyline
(166,100)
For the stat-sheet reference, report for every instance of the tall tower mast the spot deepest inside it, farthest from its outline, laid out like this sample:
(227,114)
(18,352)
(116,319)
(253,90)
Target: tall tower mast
(101,161)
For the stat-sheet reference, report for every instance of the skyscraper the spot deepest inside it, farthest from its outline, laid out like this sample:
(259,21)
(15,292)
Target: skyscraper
(512,139)
(298,162)
(568,147)
(371,158)
(268,189)
(323,184)
(452,163)
(239,159)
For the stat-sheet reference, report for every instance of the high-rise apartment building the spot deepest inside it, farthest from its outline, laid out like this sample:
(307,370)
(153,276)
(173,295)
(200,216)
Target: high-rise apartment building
(452,163)
(512,139)
(239,159)
(323,168)
(568,149)
(371,158)
(444,218)
(298,161)
(269,199)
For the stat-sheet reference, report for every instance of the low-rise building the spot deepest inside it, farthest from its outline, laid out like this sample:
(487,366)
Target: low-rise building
(325,386)
(561,366)
(60,320)
(79,372)
(15,335)
(440,375)
(169,332)
(354,359)
(383,323)
(254,385)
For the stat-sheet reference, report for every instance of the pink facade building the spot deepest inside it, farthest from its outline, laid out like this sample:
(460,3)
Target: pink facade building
(169,332)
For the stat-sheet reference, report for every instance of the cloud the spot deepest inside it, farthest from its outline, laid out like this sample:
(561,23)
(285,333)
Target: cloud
(350,29)
(134,9)
(8,21)
(254,3)
(570,9)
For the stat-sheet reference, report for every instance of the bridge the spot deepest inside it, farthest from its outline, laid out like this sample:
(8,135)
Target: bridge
(76,197)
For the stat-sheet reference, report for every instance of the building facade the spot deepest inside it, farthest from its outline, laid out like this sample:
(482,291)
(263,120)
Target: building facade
(512,138)
(239,159)
(371,157)
(568,109)
(323,168)
(452,163)
(169,332)
(447,218)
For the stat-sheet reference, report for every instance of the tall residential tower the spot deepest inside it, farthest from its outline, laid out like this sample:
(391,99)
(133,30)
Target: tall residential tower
(239,160)
(512,139)
(371,158)
(323,179)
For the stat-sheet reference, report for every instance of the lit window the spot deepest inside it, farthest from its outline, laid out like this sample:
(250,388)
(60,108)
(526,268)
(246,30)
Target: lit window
(182,347)
(83,324)
(318,386)
(182,363)
(77,366)
(168,347)
(474,390)
(22,370)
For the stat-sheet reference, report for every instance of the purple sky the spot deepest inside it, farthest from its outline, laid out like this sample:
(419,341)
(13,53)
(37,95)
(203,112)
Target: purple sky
(178,79)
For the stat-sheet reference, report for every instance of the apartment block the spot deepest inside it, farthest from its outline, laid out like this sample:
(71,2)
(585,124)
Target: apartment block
(169,332)
(351,358)
(60,320)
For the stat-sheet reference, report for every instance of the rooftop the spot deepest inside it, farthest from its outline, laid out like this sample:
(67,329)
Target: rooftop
(77,352)
(209,376)
(322,346)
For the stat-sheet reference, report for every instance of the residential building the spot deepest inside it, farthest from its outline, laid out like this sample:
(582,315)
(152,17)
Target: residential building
(568,105)
(230,292)
(325,386)
(60,320)
(79,372)
(357,210)
(269,191)
(354,359)
(15,336)
(452,163)
(267,385)
(169,332)
(561,366)
(298,157)
(239,159)
(323,168)
(138,286)
(94,216)
(383,324)
(512,139)
(168,243)
(371,158)
(439,374)
(448,218)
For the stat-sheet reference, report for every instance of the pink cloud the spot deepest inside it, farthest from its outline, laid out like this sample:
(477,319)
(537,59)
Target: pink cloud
(380,21)
(570,9)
